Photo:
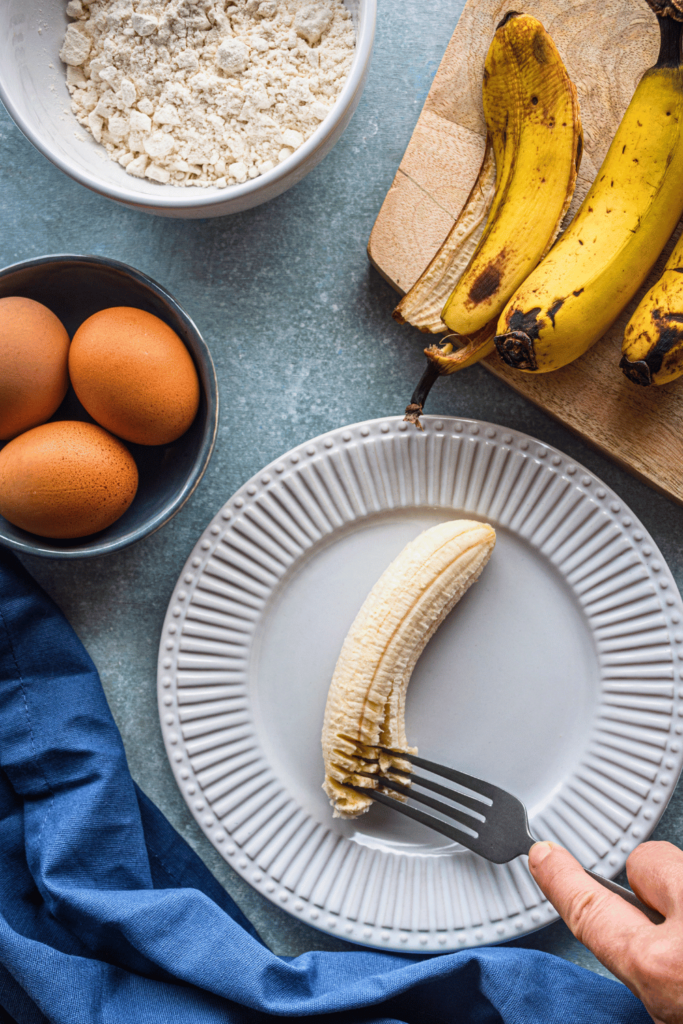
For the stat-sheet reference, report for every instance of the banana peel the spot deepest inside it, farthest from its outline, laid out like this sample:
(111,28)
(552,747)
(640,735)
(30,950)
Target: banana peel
(479,346)
(423,304)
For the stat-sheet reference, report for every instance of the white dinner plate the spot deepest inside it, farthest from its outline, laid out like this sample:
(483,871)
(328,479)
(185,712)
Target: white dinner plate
(557,676)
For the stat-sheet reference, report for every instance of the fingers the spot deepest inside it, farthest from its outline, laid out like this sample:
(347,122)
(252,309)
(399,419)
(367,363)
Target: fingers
(600,919)
(655,873)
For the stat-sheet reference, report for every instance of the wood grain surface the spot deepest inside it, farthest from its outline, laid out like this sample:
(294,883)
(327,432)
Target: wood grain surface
(606,45)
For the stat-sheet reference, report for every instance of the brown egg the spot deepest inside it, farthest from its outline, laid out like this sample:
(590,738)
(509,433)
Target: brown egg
(134,375)
(34,350)
(66,479)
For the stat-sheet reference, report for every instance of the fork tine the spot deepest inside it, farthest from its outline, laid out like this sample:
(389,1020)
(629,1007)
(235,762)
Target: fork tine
(436,805)
(504,833)
(458,835)
(467,801)
(477,786)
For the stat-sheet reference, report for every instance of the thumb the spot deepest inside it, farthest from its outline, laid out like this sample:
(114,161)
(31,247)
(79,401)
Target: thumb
(600,919)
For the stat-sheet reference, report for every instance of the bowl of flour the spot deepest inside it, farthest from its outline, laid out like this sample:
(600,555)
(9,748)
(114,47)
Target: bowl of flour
(185,108)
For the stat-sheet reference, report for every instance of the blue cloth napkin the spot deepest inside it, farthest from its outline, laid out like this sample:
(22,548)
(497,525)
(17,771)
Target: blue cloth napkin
(108,917)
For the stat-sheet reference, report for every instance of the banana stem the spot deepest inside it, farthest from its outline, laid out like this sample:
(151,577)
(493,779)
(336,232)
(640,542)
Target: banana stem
(420,395)
(443,361)
(667,8)
(671,33)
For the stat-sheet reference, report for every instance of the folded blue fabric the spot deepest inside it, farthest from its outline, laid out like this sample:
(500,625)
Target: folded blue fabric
(108,917)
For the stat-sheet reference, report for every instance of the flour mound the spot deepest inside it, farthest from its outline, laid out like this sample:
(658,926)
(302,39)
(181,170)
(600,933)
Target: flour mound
(205,92)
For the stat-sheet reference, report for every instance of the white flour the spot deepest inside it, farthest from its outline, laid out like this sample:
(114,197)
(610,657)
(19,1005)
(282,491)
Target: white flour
(205,92)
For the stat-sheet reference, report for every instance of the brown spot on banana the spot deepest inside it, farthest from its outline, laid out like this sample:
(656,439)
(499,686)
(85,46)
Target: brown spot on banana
(665,358)
(488,281)
(670,337)
(555,308)
(540,49)
(672,364)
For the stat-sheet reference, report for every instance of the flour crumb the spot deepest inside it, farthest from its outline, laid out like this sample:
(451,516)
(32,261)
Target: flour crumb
(205,92)
(312,20)
(76,47)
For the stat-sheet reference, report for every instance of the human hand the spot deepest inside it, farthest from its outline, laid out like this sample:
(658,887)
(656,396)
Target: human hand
(647,957)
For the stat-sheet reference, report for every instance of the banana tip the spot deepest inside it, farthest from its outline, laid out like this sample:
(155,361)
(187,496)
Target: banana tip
(508,17)
(517,350)
(638,372)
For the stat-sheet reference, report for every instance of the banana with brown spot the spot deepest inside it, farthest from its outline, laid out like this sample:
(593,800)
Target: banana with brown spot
(606,253)
(653,340)
(517,205)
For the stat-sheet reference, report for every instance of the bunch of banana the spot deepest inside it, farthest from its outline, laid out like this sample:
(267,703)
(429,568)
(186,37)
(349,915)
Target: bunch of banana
(366,702)
(608,250)
(524,189)
(653,341)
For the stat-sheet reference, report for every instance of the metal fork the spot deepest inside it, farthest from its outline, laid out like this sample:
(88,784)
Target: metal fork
(484,818)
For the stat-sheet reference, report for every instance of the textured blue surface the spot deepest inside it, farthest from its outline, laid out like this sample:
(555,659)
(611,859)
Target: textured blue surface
(300,329)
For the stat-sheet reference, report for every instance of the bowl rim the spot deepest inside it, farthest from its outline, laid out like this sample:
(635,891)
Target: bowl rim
(212,197)
(172,507)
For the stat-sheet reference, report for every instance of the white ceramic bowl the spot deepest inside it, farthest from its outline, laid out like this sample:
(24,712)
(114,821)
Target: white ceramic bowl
(33,88)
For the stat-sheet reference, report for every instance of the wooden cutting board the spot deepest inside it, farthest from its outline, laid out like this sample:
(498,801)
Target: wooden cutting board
(606,46)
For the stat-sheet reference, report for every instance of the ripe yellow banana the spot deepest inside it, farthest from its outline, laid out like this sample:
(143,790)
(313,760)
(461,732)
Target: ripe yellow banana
(531,105)
(608,250)
(516,207)
(653,340)
(366,701)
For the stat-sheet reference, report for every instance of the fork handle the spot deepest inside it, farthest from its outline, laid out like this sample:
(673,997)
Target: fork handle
(627,895)
(618,890)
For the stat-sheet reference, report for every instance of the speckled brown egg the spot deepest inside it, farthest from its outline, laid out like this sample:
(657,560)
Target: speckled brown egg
(134,375)
(66,479)
(34,351)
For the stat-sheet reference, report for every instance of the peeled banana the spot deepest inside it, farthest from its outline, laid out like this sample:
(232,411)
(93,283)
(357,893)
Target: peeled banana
(523,190)
(608,250)
(366,701)
(653,340)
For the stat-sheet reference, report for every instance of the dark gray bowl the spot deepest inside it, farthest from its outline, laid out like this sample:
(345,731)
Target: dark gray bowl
(75,287)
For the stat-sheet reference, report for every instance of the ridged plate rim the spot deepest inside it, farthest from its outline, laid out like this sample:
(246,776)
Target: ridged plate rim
(617,574)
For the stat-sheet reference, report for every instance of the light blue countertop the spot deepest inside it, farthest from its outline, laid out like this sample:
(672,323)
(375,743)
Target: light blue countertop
(301,333)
